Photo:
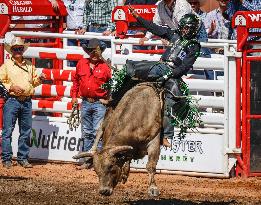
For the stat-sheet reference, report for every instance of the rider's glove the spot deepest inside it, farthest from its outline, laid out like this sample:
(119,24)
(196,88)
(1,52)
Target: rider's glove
(161,81)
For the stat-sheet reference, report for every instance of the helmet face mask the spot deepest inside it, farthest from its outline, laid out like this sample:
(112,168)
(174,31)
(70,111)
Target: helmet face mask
(188,26)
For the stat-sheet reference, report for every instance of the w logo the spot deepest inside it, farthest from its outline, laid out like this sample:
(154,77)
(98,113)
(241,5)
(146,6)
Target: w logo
(255,17)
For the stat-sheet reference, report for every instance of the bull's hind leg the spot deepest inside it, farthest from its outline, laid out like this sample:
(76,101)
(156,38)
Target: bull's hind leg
(153,157)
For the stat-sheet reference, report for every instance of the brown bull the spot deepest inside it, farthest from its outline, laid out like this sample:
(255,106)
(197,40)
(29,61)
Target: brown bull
(130,131)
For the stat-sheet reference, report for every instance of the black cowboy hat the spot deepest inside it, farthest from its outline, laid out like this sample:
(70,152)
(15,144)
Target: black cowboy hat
(93,44)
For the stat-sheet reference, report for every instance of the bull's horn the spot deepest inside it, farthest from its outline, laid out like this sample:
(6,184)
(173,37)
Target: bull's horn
(82,155)
(119,149)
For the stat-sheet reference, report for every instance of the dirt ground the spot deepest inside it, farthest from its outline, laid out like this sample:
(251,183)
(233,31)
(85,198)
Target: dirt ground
(63,184)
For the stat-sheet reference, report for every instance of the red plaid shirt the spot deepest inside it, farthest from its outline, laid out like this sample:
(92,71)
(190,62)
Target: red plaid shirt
(87,82)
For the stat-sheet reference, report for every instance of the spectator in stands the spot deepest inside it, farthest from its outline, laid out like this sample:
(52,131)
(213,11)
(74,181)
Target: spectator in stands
(168,13)
(217,26)
(91,73)
(19,78)
(74,20)
(97,17)
(195,5)
(204,52)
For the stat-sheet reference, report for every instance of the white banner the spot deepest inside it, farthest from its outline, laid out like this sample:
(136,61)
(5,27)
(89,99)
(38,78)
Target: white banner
(197,153)
(52,140)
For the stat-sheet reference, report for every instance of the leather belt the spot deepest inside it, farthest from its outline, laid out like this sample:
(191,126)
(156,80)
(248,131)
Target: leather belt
(21,98)
(90,100)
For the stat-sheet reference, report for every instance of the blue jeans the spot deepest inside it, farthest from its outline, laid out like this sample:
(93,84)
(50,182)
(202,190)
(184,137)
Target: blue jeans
(13,110)
(92,115)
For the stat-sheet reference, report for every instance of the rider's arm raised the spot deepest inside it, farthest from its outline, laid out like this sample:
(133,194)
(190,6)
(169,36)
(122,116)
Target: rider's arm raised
(161,31)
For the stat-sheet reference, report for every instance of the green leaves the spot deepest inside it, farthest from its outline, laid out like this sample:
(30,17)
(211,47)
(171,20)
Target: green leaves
(186,114)
(117,80)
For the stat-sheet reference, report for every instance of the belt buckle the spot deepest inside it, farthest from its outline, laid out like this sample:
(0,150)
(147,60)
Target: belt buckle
(22,98)
(91,100)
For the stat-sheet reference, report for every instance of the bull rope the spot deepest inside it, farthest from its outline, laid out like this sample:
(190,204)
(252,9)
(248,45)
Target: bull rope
(74,119)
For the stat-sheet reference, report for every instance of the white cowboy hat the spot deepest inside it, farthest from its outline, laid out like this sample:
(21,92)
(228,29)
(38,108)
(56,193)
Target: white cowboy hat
(16,41)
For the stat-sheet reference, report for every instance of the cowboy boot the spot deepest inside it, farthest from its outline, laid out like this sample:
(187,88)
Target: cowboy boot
(165,142)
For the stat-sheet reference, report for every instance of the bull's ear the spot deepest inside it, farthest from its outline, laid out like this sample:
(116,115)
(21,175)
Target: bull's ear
(82,155)
(119,150)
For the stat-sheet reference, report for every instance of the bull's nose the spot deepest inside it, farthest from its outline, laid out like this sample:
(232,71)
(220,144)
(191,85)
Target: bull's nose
(106,191)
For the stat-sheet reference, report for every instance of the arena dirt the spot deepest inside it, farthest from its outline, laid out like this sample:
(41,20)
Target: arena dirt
(63,184)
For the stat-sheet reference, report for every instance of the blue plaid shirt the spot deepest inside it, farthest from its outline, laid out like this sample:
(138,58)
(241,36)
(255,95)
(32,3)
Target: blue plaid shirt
(254,5)
(246,5)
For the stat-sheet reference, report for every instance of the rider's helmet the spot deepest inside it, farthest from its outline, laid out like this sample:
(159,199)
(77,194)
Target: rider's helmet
(189,26)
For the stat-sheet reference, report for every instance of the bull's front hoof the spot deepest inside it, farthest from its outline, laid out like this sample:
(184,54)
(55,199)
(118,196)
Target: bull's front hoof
(105,192)
(124,179)
(153,191)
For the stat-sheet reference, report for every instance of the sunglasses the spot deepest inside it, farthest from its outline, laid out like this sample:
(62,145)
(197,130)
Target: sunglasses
(17,49)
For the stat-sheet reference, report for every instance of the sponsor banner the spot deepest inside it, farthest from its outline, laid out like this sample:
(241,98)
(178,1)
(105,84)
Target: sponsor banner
(196,152)
(52,140)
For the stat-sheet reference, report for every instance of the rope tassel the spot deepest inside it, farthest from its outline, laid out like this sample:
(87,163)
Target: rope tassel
(74,119)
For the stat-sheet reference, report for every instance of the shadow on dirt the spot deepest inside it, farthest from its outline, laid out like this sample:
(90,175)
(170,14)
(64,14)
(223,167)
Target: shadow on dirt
(176,202)
(13,178)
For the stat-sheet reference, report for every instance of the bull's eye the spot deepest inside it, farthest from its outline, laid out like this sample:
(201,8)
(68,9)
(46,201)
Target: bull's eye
(110,167)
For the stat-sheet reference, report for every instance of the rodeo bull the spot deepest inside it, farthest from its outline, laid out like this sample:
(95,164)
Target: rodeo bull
(129,131)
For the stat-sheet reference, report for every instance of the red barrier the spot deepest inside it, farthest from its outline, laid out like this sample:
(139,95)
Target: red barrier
(125,21)
(247,107)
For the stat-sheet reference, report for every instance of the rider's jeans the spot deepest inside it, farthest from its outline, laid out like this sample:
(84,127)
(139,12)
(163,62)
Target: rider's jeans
(167,126)
(13,110)
(92,115)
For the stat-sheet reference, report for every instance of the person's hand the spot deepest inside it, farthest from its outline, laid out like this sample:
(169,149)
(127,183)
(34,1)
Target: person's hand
(74,100)
(106,33)
(16,89)
(42,77)
(164,42)
(133,12)
(80,31)
(212,28)
(142,40)
(54,5)
(104,101)
(161,81)
(113,33)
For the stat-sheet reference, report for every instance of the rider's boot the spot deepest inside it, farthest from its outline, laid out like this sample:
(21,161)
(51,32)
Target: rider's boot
(165,142)
(168,130)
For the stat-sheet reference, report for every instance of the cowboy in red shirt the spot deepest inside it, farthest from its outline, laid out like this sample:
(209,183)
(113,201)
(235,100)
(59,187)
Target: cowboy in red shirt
(91,74)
